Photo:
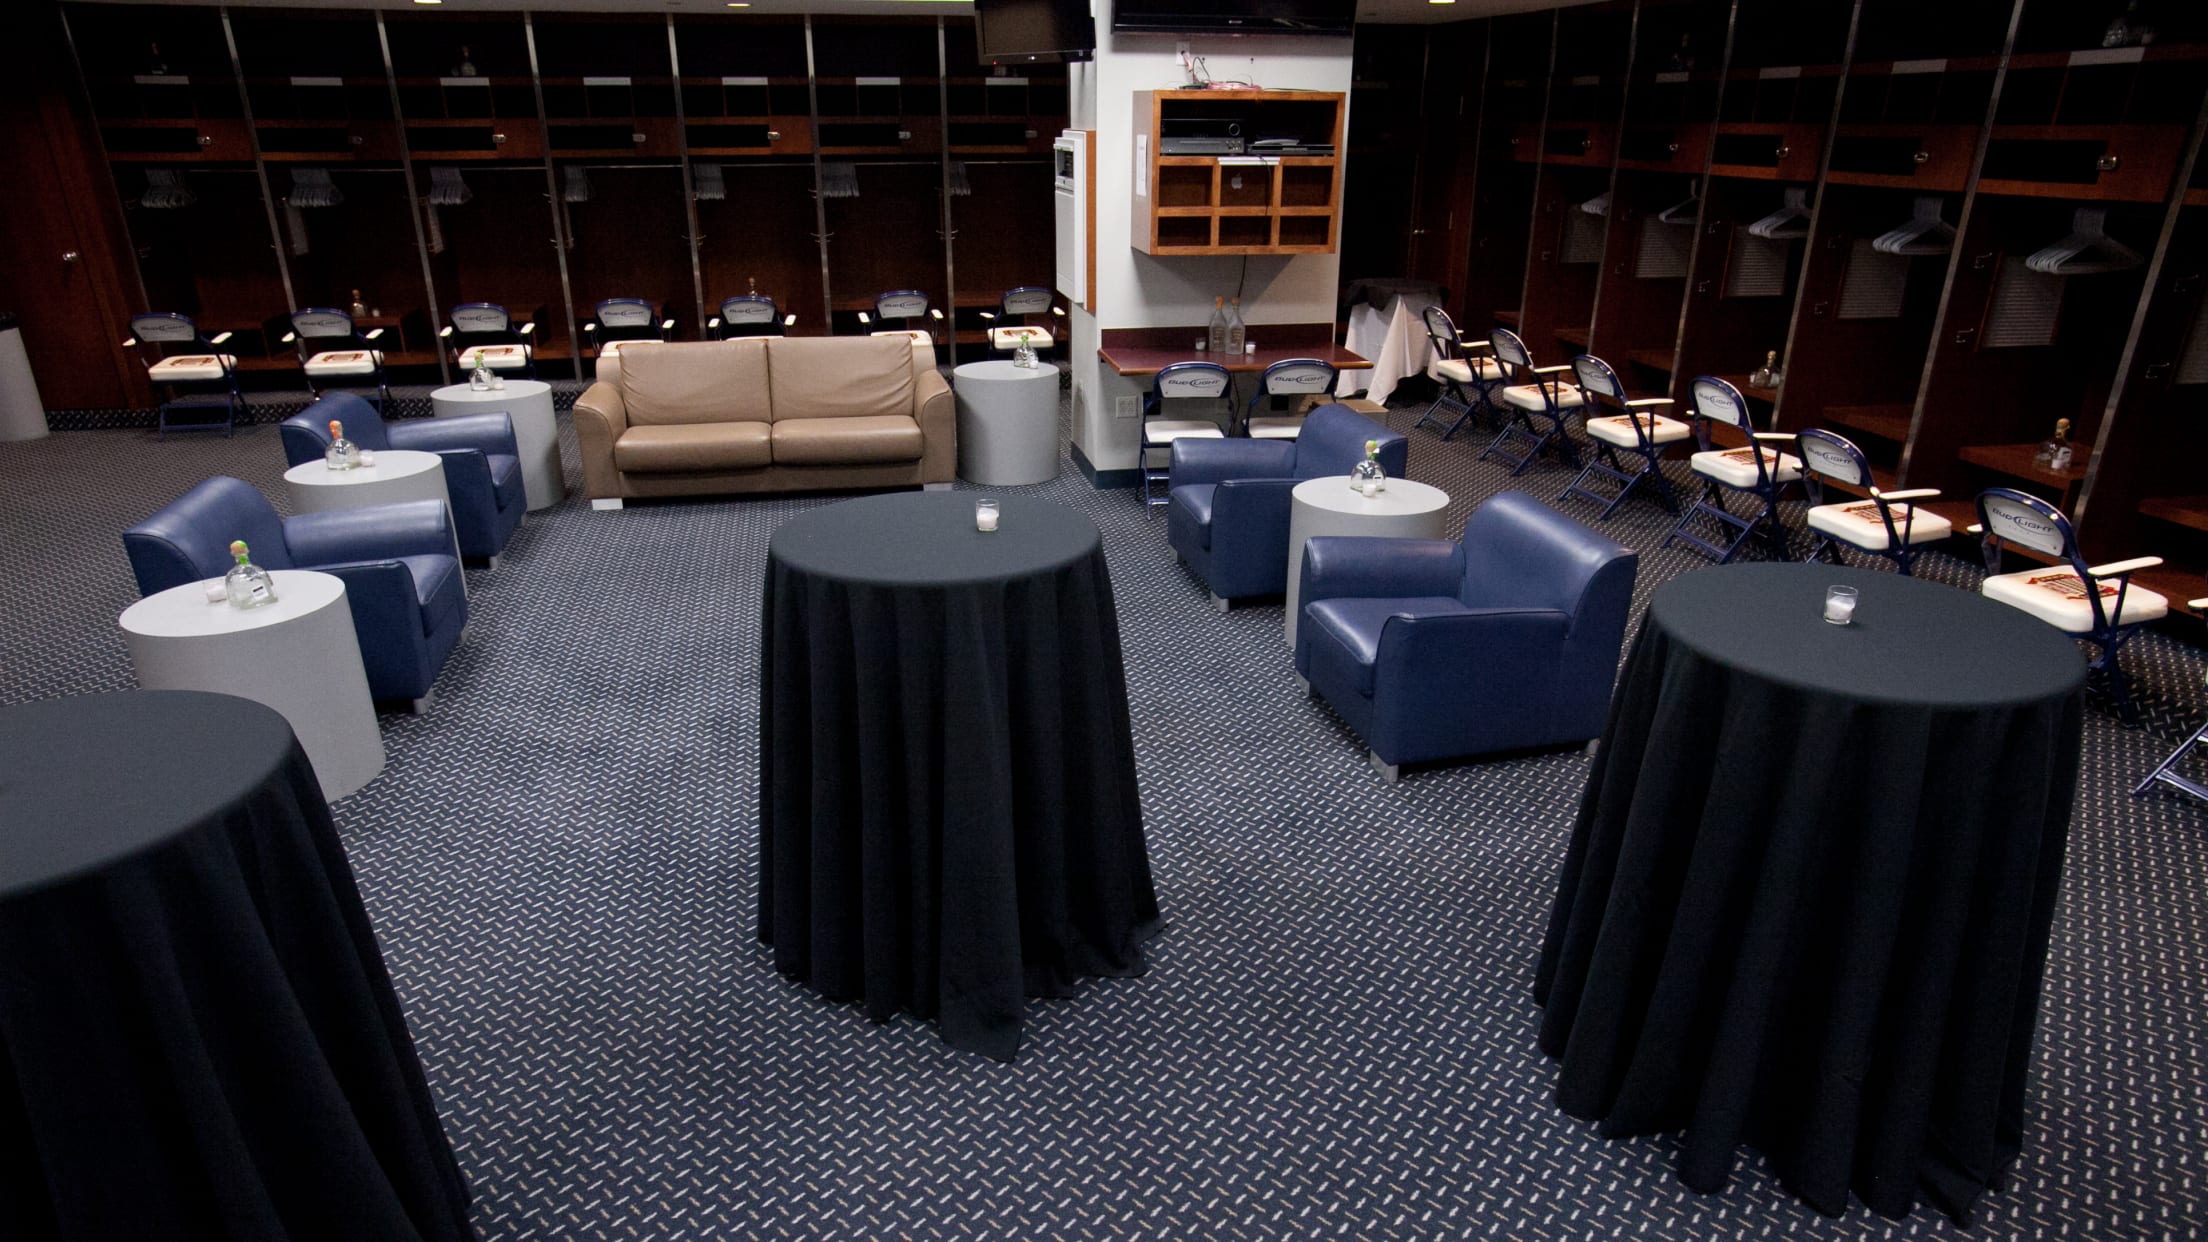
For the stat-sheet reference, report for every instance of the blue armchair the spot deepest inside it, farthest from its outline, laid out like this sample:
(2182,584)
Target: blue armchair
(401,577)
(1227,510)
(482,466)
(1434,650)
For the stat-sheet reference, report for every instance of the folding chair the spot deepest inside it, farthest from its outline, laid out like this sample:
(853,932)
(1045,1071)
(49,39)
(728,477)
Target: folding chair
(331,349)
(1758,472)
(1636,430)
(1889,524)
(1179,381)
(1293,378)
(2166,773)
(192,373)
(486,329)
(1532,411)
(1466,380)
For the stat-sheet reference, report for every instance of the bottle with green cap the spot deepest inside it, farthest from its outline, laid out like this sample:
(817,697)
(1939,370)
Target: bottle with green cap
(342,454)
(247,585)
(1367,476)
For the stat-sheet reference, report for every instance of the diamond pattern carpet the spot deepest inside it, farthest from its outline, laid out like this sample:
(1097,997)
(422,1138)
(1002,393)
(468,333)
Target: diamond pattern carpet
(1336,1034)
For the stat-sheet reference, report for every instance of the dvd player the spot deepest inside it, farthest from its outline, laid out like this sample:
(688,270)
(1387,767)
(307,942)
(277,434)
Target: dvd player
(1199,144)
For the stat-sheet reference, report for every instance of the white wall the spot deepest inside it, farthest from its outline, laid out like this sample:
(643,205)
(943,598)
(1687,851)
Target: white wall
(1136,290)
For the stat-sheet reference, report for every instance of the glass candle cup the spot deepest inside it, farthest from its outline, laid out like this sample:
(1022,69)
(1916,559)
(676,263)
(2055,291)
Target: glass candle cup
(1840,605)
(985,515)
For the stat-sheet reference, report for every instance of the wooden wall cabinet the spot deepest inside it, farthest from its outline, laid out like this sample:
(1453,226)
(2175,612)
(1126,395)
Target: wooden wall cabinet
(1254,203)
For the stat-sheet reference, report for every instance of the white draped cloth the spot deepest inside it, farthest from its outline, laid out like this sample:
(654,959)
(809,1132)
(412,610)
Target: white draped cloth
(1396,342)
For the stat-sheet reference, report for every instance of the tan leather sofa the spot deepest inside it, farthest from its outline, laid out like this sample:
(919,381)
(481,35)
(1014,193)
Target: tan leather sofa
(765,414)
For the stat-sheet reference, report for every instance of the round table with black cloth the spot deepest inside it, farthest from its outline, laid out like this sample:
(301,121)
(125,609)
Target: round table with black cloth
(1807,899)
(947,810)
(197,1035)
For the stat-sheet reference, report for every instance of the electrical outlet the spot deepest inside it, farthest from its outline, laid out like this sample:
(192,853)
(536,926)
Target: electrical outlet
(1127,407)
(1180,52)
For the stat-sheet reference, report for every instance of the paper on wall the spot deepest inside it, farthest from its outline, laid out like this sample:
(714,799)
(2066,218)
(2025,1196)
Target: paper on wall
(1142,165)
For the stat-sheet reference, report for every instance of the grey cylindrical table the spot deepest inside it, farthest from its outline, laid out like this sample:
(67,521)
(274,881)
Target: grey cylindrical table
(1007,423)
(299,655)
(22,413)
(536,430)
(1329,506)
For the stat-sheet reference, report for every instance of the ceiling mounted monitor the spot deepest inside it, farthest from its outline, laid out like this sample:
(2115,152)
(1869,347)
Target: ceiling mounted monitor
(1028,32)
(1274,17)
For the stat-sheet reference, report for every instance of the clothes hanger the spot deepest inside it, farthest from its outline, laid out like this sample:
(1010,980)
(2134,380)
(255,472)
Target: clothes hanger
(1790,221)
(2087,251)
(1925,233)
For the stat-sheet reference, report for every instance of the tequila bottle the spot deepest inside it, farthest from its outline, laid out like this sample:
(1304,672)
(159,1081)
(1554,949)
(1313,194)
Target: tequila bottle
(1237,331)
(342,454)
(2056,453)
(1366,476)
(1217,336)
(360,308)
(480,378)
(247,585)
(1767,375)
(1024,355)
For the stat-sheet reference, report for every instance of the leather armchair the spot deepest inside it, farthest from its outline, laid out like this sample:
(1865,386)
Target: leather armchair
(402,579)
(482,466)
(1227,510)
(1436,650)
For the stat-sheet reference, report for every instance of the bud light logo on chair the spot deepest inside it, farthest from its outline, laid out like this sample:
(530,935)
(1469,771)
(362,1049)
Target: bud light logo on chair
(1189,386)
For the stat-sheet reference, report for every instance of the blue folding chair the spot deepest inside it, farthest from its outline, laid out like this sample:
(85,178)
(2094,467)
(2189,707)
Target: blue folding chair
(1758,472)
(1293,378)
(620,322)
(1888,524)
(485,329)
(334,353)
(1179,381)
(2167,773)
(192,373)
(2097,603)
(894,312)
(749,314)
(1636,431)
(1010,321)
(1466,380)
(1532,410)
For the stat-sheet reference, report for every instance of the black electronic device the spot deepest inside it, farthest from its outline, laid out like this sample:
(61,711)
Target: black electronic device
(1026,32)
(1277,17)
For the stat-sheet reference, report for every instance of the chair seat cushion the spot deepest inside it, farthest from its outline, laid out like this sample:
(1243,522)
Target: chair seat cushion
(859,440)
(1618,429)
(187,367)
(437,587)
(918,334)
(1276,427)
(345,362)
(1737,467)
(1857,524)
(506,483)
(1528,397)
(1463,369)
(612,349)
(694,446)
(1194,500)
(2057,596)
(1009,338)
(1167,430)
(495,357)
(1347,631)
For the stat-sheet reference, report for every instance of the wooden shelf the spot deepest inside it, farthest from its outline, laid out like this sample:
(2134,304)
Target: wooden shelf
(2176,583)
(1658,360)
(1769,396)
(1889,422)
(1573,336)
(1248,204)
(2180,510)
(2015,460)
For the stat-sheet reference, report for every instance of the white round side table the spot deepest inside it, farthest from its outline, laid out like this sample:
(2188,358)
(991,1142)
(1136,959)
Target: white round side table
(399,474)
(1328,506)
(1007,423)
(536,430)
(299,655)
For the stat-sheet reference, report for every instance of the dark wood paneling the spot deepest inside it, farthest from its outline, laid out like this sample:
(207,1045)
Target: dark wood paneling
(498,248)
(763,231)
(629,244)
(887,238)
(1005,230)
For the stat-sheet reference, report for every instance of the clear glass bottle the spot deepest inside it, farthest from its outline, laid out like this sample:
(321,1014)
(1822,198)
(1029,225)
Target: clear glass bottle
(1237,331)
(1024,354)
(360,308)
(2055,453)
(1767,375)
(247,585)
(1217,336)
(480,378)
(342,454)
(1367,476)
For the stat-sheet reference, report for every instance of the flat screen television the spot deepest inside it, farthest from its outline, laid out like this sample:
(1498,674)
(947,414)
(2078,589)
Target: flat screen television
(1015,32)
(1288,17)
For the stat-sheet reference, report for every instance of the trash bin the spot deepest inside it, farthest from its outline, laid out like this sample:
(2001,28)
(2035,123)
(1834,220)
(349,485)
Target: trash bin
(22,414)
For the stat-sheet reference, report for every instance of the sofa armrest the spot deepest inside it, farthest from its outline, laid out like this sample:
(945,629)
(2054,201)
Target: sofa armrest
(1208,460)
(936,410)
(600,418)
(1360,567)
(488,433)
(370,533)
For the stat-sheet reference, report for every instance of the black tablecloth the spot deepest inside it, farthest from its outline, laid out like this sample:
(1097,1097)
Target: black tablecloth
(947,810)
(1806,904)
(197,1035)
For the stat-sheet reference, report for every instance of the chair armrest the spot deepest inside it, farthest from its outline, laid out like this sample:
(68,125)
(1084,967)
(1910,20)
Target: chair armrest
(600,418)
(370,533)
(2197,605)
(1361,567)
(1210,460)
(2117,569)
(1549,370)
(936,410)
(489,433)
(1775,435)
(1640,401)
(1974,528)
(1915,493)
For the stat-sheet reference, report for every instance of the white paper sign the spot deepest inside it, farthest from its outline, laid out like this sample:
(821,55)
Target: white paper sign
(1142,165)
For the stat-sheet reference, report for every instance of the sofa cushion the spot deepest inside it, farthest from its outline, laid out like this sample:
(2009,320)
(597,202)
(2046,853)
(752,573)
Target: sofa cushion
(846,441)
(699,446)
(841,377)
(695,382)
